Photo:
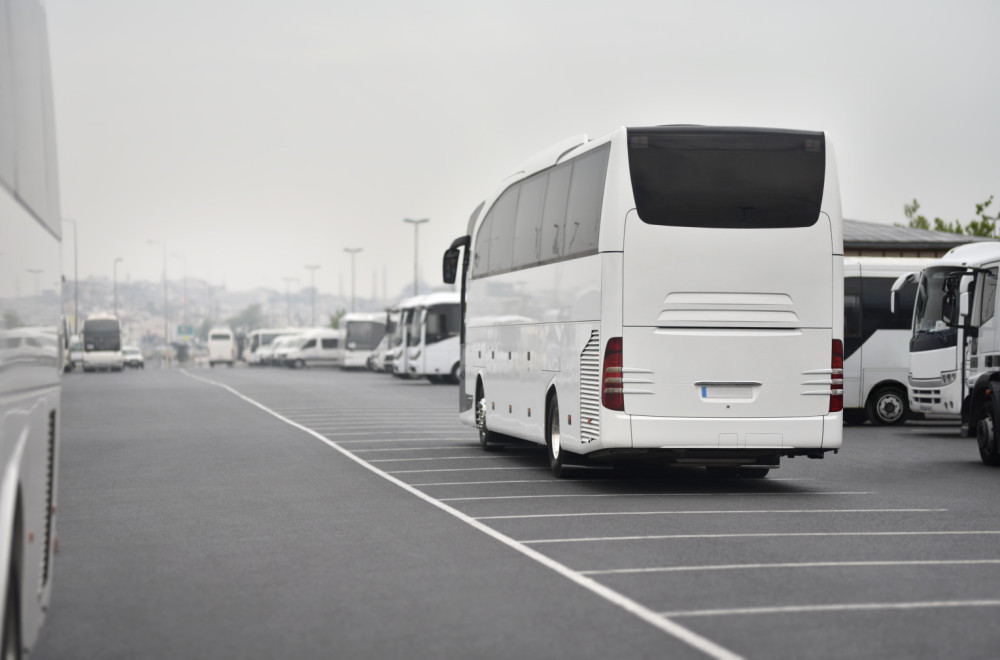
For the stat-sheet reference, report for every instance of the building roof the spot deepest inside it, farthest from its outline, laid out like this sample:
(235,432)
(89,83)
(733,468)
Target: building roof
(870,235)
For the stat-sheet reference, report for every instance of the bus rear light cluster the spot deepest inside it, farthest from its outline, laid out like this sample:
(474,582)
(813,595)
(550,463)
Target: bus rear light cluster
(612,396)
(837,377)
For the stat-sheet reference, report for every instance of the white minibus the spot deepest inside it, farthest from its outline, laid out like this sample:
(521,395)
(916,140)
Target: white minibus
(672,293)
(259,343)
(877,338)
(102,343)
(362,331)
(32,332)
(435,326)
(316,347)
(221,346)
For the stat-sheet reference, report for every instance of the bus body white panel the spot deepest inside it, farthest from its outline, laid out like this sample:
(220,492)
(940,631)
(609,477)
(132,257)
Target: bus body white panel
(701,340)
(928,391)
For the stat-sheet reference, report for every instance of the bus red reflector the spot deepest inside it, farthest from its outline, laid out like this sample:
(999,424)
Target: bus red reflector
(612,396)
(837,377)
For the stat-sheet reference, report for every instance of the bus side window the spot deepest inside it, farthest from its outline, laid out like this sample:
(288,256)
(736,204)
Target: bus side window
(502,231)
(528,227)
(852,315)
(989,299)
(586,196)
(481,253)
(554,212)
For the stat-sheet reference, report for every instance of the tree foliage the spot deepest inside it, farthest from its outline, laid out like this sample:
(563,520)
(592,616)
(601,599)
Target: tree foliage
(335,318)
(983,224)
(249,319)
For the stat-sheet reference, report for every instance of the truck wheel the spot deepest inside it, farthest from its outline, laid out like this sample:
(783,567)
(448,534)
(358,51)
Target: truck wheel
(986,433)
(887,406)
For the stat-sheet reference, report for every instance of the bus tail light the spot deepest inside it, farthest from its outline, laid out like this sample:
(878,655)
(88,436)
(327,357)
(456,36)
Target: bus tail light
(837,377)
(611,376)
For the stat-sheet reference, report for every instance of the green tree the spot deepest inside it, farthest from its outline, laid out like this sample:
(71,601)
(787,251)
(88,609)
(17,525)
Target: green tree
(983,225)
(335,318)
(249,319)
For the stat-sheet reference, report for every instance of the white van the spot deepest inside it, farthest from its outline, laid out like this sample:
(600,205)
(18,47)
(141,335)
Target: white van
(221,347)
(320,347)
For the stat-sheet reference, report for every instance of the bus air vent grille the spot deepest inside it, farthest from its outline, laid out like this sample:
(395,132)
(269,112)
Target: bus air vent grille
(590,389)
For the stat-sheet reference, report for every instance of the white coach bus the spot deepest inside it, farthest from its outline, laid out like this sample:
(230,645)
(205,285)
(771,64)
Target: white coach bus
(434,327)
(32,333)
(404,338)
(362,333)
(671,293)
(877,338)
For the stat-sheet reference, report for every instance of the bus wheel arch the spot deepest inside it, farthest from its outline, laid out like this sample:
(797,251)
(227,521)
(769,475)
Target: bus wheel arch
(487,438)
(888,404)
(553,435)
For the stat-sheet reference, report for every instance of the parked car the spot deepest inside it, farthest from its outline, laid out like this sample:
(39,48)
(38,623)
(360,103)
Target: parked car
(132,357)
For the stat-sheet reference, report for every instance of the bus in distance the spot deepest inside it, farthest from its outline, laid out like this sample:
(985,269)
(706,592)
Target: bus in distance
(102,343)
(362,333)
(33,335)
(669,293)
(434,353)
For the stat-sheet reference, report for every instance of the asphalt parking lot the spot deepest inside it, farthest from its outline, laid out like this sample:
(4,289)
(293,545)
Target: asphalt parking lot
(304,512)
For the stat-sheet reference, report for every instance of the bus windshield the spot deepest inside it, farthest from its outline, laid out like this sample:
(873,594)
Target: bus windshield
(102,335)
(936,306)
(364,335)
(732,178)
(413,327)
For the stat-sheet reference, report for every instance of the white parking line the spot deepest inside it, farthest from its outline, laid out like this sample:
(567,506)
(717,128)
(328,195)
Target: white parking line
(805,564)
(589,495)
(656,537)
(845,607)
(676,630)
(700,512)
(411,459)
(462,469)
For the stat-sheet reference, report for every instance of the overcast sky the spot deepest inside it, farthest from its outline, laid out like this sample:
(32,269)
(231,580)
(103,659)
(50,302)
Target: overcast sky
(255,137)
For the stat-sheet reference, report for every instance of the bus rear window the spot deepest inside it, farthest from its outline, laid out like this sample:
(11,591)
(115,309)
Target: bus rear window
(732,178)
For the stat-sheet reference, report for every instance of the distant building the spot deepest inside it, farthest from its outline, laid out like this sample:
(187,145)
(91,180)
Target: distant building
(868,239)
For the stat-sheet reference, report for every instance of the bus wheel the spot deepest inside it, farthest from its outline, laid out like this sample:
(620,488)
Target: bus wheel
(986,433)
(487,438)
(887,406)
(455,379)
(553,440)
(298,364)
(12,620)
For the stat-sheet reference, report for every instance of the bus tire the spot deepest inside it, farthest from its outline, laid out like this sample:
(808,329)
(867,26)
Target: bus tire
(887,406)
(10,647)
(298,364)
(455,378)
(986,433)
(553,440)
(487,438)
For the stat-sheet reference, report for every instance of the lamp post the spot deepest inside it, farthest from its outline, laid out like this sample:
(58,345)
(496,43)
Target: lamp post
(166,316)
(76,279)
(352,252)
(416,236)
(288,300)
(117,259)
(312,291)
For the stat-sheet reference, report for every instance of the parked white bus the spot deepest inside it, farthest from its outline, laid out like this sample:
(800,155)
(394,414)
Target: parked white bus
(672,293)
(380,359)
(403,338)
(877,338)
(32,332)
(102,343)
(363,331)
(221,346)
(435,327)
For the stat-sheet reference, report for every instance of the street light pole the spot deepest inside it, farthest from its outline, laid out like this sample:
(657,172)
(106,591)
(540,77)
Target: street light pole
(117,259)
(166,316)
(352,252)
(416,236)
(76,279)
(312,289)
(288,300)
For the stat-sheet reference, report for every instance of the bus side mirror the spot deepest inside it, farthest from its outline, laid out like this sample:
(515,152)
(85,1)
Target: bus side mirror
(450,265)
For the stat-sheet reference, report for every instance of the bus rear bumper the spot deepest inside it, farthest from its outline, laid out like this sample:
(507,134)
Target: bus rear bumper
(789,436)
